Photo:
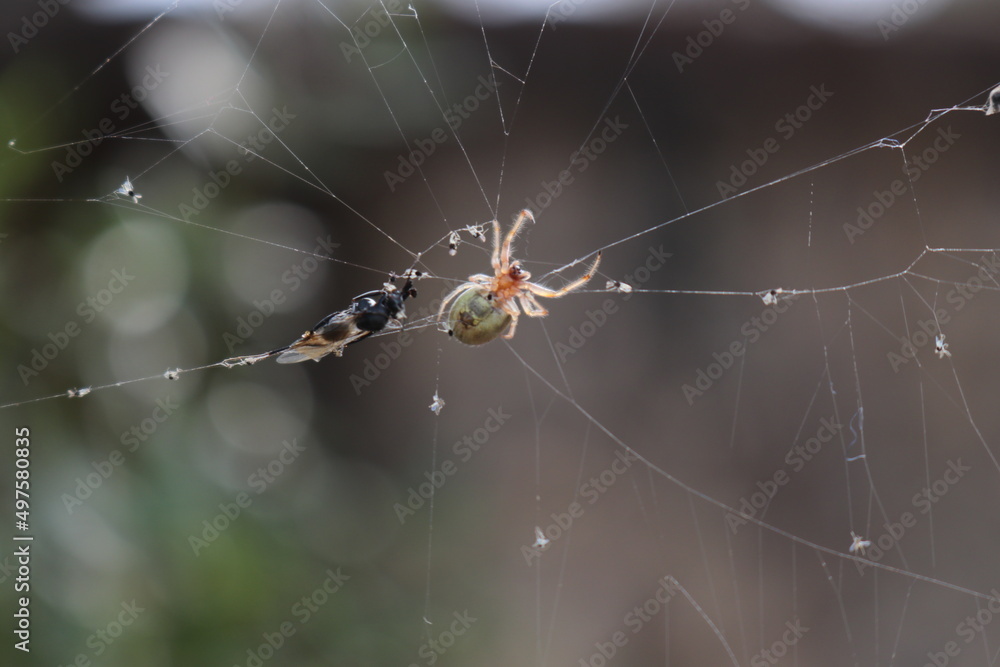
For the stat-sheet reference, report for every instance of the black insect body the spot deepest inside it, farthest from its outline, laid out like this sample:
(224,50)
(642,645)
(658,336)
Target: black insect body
(375,309)
(369,313)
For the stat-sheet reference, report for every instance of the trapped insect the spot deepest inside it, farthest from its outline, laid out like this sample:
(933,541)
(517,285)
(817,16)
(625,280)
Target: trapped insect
(127,190)
(993,102)
(859,544)
(486,306)
(369,313)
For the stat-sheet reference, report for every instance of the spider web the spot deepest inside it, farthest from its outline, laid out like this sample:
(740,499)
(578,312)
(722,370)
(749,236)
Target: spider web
(763,434)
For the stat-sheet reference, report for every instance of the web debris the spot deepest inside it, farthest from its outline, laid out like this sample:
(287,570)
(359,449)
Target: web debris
(770,297)
(127,191)
(437,405)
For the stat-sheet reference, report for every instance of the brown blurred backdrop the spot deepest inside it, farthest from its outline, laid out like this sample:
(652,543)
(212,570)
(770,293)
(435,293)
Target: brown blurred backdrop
(125,479)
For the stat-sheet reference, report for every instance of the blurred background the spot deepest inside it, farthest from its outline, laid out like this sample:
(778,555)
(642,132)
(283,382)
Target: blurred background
(290,155)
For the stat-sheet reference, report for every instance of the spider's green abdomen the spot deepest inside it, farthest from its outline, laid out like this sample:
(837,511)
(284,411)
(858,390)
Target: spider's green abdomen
(474,319)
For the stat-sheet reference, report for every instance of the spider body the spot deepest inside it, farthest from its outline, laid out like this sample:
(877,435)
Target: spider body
(369,313)
(487,306)
(474,319)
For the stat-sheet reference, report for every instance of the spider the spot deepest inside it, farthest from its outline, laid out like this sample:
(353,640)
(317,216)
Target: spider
(486,306)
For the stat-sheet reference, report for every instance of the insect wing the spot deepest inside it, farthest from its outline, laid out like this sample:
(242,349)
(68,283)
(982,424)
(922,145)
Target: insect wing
(302,351)
(331,334)
(369,313)
(337,326)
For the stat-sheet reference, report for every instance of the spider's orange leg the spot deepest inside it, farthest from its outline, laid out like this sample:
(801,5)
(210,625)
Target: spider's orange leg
(538,290)
(530,306)
(511,328)
(495,258)
(511,235)
(451,297)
